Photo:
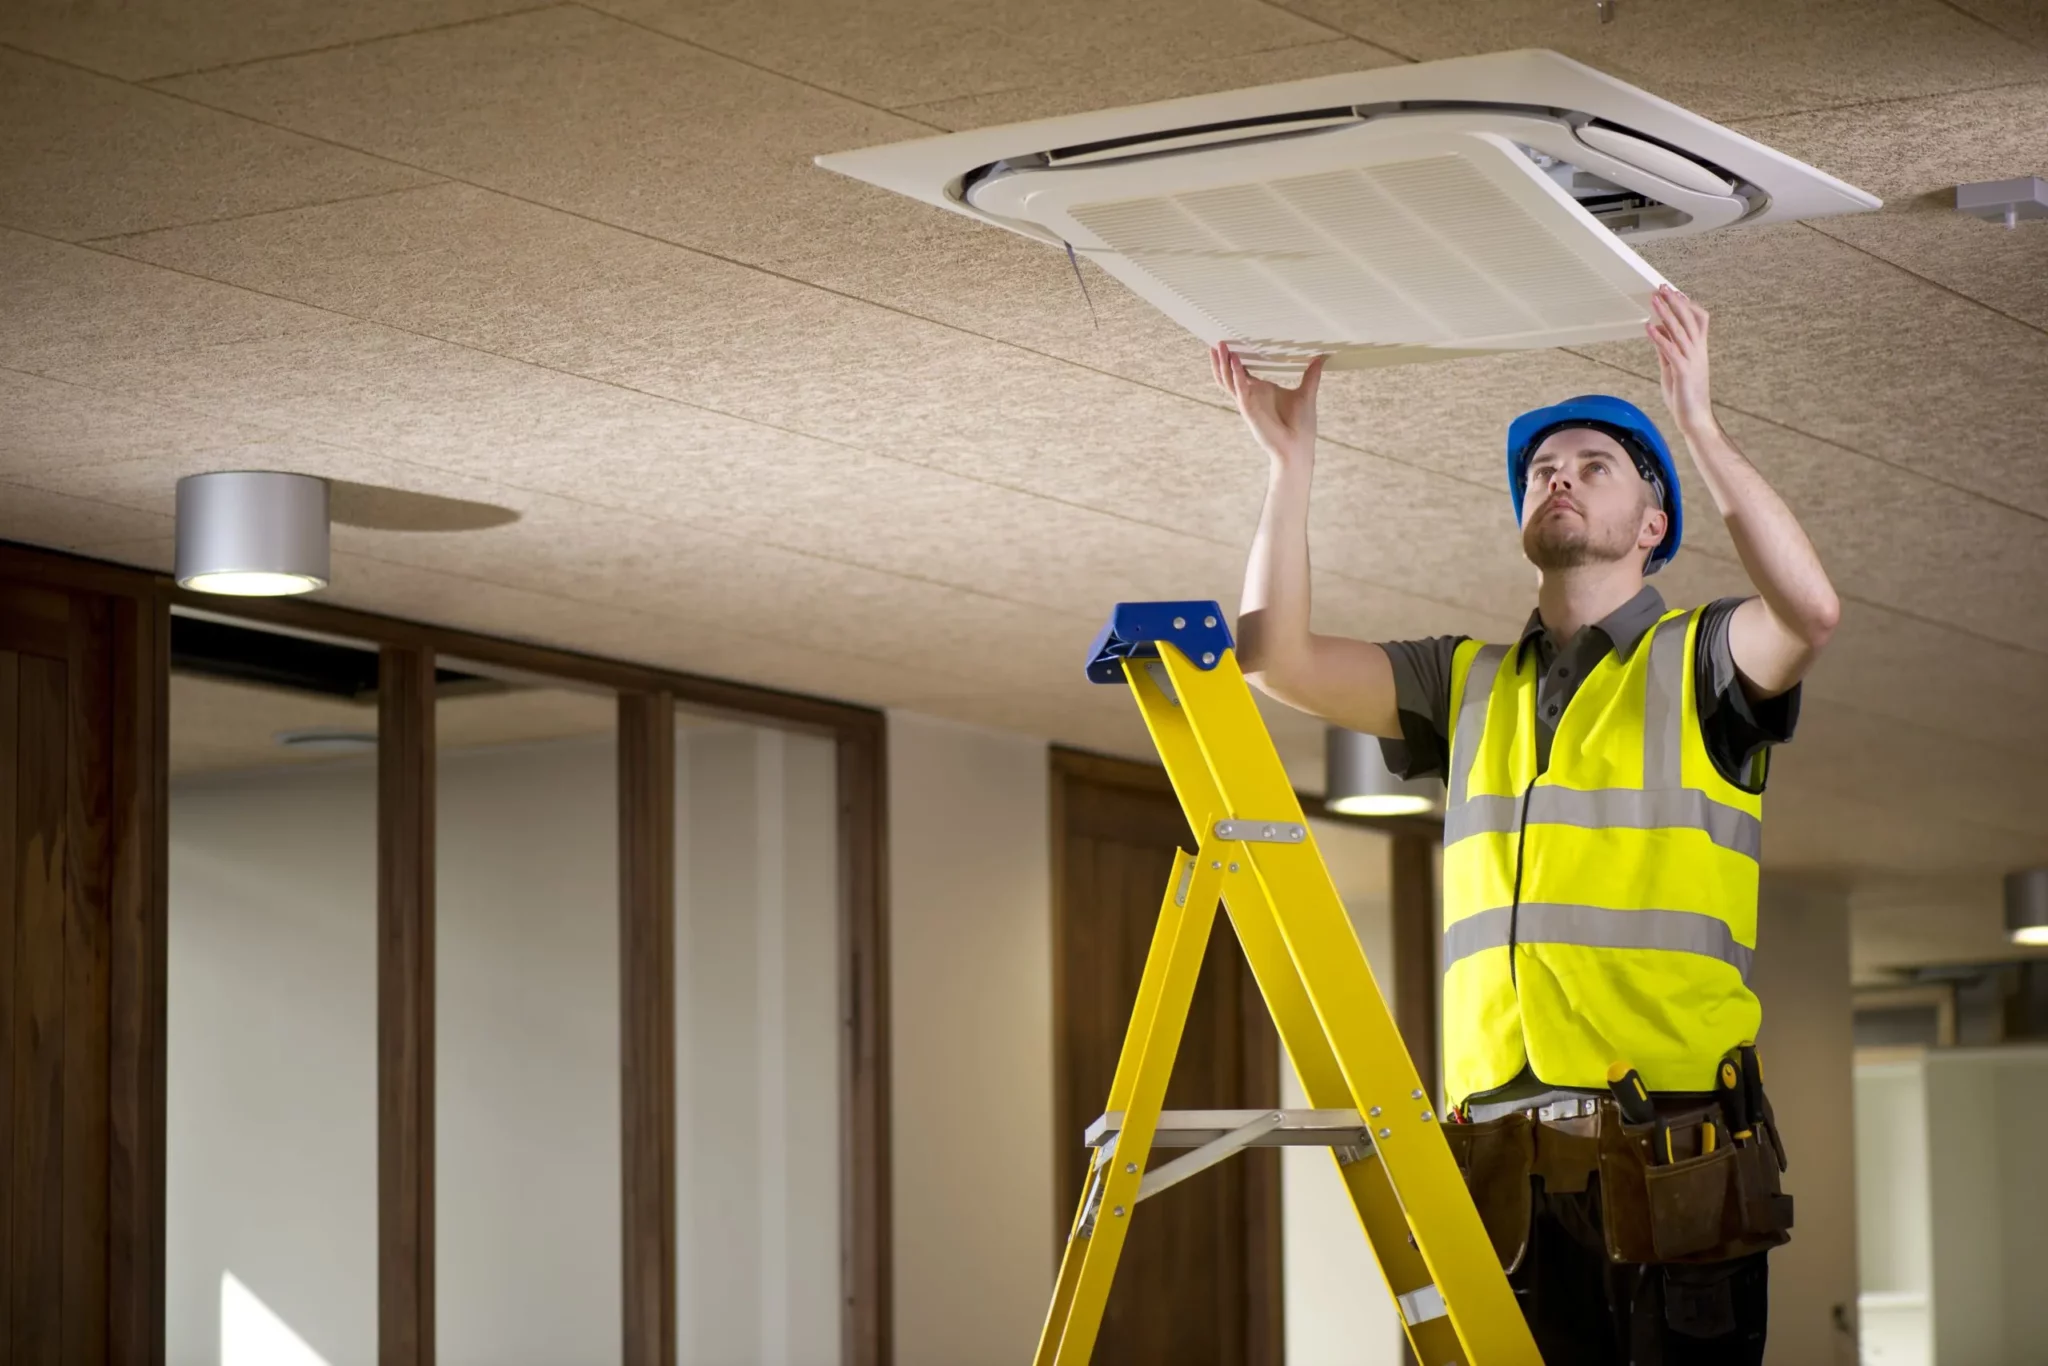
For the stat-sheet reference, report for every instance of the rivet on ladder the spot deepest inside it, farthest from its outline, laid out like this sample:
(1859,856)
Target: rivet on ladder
(1208,658)
(1415,1094)
(1209,621)
(1428,1118)
(1233,867)
(1118,1211)
(1373,1113)
(1130,1166)
(1384,1133)
(1180,623)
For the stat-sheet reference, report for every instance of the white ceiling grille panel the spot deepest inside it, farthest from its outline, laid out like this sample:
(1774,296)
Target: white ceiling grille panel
(1428,251)
(1286,222)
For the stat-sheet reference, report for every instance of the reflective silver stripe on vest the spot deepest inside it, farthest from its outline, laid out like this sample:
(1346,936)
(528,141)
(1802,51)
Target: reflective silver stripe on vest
(1471,726)
(1618,808)
(1663,702)
(1550,922)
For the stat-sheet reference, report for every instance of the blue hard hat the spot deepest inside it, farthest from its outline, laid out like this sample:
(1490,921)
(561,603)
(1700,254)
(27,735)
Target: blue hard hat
(1624,422)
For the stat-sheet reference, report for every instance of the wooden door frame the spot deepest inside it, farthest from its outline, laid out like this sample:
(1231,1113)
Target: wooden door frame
(141,606)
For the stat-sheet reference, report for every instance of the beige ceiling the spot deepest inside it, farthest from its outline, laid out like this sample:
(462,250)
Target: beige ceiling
(763,422)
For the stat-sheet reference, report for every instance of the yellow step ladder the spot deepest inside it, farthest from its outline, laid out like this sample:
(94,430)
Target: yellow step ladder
(1258,857)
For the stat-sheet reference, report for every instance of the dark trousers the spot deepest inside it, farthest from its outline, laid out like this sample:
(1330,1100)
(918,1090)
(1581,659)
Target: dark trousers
(1587,1311)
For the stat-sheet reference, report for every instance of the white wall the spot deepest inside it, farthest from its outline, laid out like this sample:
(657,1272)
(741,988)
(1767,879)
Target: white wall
(526,1015)
(1893,1234)
(272,1086)
(1987,1112)
(1338,1310)
(757,1049)
(271,1092)
(970,982)
(1807,1047)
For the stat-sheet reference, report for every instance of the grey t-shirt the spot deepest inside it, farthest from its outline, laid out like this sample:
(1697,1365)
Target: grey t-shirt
(1738,731)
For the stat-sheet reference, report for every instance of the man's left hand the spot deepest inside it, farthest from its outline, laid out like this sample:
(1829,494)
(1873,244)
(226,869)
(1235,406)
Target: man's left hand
(1679,332)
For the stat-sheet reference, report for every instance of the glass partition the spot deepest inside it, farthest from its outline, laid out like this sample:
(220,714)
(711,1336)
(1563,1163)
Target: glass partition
(526,963)
(757,1045)
(271,1087)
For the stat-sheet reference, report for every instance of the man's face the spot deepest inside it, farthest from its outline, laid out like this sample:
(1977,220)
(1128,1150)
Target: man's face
(1585,503)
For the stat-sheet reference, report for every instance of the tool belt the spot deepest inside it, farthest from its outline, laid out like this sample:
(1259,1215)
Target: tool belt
(1691,1207)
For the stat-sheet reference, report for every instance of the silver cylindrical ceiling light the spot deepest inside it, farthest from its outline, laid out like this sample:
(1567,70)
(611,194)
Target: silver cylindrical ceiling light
(252,534)
(2026,906)
(1357,781)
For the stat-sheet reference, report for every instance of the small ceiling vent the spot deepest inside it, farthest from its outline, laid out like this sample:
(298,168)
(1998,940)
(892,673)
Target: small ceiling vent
(1403,214)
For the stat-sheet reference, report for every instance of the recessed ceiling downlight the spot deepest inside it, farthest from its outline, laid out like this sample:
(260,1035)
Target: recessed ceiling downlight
(252,533)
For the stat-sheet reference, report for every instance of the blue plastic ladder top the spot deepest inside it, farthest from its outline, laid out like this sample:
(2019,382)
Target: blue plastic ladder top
(1196,629)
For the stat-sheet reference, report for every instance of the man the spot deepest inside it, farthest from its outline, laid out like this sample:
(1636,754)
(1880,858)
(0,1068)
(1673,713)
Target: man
(1603,820)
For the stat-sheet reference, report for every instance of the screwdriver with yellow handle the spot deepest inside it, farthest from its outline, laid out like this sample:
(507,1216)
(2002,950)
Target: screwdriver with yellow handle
(1734,1097)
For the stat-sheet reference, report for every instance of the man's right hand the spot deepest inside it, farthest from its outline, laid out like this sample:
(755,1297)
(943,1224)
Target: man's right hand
(1283,420)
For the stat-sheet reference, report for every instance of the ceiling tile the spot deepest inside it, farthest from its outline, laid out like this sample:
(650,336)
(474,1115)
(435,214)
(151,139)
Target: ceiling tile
(2021,19)
(1720,58)
(1904,149)
(1079,92)
(159,37)
(1829,341)
(69,307)
(656,145)
(52,425)
(39,517)
(82,156)
(901,52)
(1914,153)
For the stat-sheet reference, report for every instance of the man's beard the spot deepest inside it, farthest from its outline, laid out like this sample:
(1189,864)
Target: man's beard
(1571,542)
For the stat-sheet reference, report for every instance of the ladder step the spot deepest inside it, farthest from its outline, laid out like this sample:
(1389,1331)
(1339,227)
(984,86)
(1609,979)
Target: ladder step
(1193,1128)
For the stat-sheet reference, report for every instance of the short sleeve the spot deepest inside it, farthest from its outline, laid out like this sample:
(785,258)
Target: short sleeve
(1422,696)
(1739,731)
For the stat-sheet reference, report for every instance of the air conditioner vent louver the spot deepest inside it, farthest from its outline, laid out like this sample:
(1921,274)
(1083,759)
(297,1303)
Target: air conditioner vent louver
(1406,213)
(1417,252)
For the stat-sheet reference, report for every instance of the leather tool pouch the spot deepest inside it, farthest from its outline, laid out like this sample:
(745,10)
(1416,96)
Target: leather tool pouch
(1697,1208)
(1496,1158)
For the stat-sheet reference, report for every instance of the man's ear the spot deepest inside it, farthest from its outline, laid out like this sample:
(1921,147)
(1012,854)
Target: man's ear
(1655,526)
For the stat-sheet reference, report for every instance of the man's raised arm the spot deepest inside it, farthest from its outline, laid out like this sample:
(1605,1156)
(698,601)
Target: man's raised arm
(1347,682)
(1776,636)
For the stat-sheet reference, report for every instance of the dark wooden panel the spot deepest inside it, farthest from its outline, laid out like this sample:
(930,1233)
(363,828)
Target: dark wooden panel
(137,982)
(43,852)
(866,1327)
(88,821)
(647,956)
(1416,940)
(405,1007)
(10,986)
(65,754)
(36,621)
(1199,1280)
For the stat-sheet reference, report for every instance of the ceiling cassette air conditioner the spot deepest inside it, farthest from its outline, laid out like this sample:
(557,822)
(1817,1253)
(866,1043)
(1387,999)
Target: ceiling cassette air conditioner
(1403,214)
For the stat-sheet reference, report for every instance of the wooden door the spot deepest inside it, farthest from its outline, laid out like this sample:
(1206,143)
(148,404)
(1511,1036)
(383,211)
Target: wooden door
(80,970)
(1199,1280)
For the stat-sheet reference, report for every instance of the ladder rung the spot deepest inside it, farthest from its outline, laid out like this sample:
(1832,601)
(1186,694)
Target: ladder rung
(1193,1128)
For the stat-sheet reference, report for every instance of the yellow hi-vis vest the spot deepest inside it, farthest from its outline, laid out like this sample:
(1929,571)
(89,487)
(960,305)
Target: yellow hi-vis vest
(1605,910)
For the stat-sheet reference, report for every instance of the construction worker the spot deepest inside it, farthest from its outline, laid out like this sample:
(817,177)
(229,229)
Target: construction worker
(1603,813)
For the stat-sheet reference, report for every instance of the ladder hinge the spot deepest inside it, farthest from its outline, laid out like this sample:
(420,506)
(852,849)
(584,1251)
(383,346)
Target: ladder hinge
(1262,832)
